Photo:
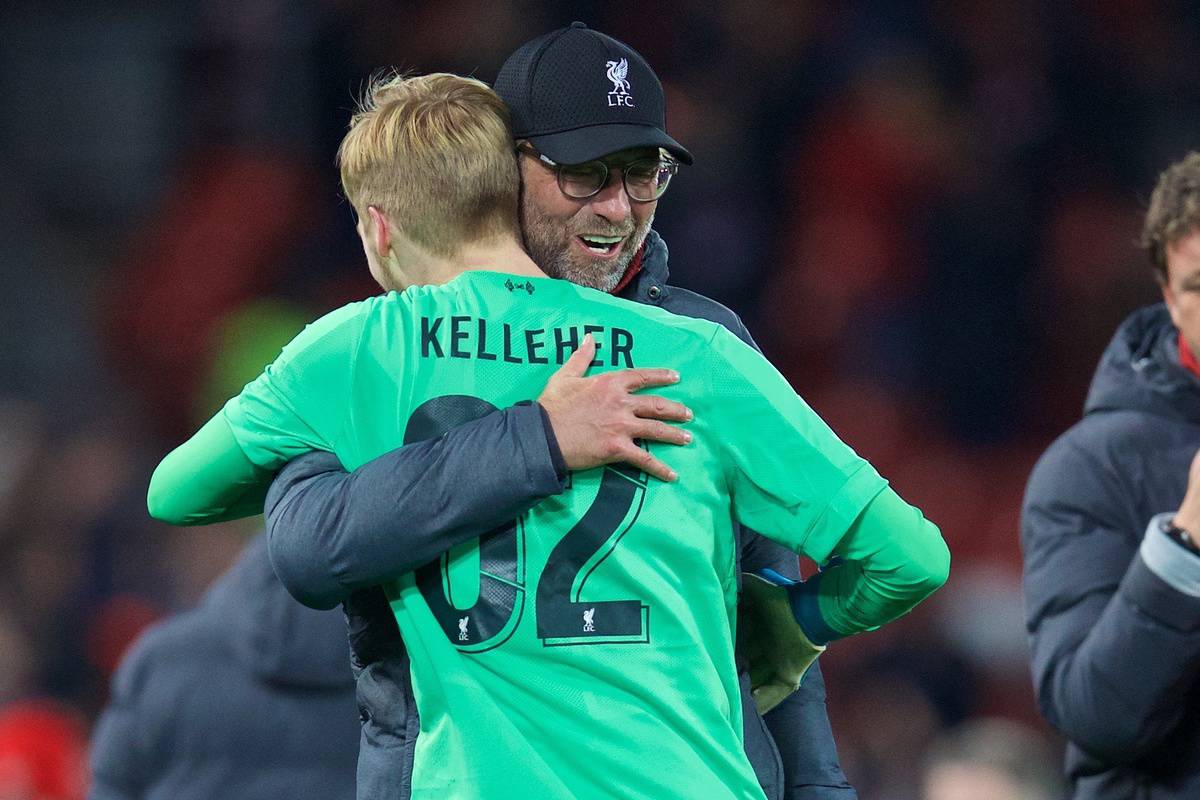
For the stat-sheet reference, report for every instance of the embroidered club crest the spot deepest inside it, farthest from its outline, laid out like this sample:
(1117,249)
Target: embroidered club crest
(618,73)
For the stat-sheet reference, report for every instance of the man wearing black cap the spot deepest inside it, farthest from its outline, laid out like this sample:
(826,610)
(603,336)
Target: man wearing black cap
(588,114)
(584,104)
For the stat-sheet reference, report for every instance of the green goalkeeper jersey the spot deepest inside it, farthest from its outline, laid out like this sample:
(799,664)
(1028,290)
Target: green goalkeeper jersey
(586,648)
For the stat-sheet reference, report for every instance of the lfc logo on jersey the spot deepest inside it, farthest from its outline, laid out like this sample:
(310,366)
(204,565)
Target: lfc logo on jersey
(462,629)
(588,626)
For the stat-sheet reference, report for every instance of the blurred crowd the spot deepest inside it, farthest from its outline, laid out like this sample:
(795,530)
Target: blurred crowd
(925,212)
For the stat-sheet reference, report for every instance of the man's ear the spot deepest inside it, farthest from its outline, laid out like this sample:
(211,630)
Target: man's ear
(381,233)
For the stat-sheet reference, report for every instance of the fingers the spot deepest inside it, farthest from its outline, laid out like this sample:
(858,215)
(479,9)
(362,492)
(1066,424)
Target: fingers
(580,360)
(643,460)
(654,431)
(634,379)
(651,406)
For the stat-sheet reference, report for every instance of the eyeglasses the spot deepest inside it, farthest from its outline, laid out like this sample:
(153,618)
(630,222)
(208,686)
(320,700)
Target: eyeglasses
(645,179)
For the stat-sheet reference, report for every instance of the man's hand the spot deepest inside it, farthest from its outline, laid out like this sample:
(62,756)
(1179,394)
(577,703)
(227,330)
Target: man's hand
(1188,515)
(597,419)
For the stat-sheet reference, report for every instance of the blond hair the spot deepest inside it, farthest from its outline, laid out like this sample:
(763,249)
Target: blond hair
(436,153)
(1174,211)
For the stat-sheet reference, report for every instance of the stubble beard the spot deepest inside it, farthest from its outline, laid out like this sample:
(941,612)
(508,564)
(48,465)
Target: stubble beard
(548,242)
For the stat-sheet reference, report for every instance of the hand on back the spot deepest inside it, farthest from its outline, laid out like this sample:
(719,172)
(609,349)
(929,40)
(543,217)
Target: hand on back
(598,419)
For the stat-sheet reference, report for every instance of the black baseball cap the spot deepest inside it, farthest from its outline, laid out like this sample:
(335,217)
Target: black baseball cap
(577,95)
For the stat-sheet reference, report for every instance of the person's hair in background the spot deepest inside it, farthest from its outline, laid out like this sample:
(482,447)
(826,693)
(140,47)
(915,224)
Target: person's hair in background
(1174,211)
(1171,238)
(991,759)
(435,152)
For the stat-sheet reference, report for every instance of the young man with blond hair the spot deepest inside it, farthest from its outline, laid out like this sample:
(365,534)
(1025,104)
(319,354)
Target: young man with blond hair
(553,655)
(453,182)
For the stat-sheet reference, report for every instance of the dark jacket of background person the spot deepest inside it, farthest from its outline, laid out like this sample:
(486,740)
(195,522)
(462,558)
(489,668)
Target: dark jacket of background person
(247,696)
(332,535)
(1116,648)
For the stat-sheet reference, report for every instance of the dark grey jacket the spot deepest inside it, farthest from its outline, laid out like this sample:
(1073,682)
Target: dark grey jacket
(334,536)
(246,697)
(1111,602)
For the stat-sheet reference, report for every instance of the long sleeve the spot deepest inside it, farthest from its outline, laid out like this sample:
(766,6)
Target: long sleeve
(121,760)
(1115,646)
(792,479)
(891,559)
(298,404)
(332,532)
(207,479)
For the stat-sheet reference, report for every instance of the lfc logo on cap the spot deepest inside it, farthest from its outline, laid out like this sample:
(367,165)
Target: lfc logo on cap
(618,73)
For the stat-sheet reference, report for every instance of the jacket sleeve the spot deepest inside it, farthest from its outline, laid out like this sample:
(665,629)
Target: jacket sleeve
(1114,646)
(122,765)
(800,723)
(800,727)
(331,532)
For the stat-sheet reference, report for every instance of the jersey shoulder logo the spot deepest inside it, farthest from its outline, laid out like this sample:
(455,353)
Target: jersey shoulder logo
(588,625)
(462,628)
(512,287)
(618,73)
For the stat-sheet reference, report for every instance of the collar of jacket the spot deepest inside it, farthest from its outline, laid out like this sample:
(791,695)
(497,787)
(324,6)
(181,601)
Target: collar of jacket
(1186,358)
(650,284)
(1141,371)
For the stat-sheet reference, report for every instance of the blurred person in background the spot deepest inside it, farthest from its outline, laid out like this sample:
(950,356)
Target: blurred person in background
(1110,532)
(990,759)
(248,695)
(335,536)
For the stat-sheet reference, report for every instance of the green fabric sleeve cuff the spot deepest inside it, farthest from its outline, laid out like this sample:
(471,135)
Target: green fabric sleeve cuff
(892,559)
(806,608)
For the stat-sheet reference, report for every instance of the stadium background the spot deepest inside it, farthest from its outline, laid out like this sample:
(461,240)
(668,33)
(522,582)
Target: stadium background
(925,213)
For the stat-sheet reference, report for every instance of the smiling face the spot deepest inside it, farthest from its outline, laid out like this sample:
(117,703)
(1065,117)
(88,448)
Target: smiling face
(1182,288)
(587,242)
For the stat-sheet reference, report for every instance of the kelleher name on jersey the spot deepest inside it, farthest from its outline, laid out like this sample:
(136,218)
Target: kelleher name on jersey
(475,337)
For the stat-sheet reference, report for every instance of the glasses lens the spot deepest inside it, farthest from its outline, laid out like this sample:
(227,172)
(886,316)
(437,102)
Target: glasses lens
(582,180)
(647,180)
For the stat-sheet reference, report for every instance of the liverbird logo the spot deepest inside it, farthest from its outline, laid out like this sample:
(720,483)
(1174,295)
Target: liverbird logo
(618,73)
(462,629)
(588,625)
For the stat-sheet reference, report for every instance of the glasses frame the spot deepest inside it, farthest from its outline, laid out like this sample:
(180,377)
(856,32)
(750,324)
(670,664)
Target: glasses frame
(663,160)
